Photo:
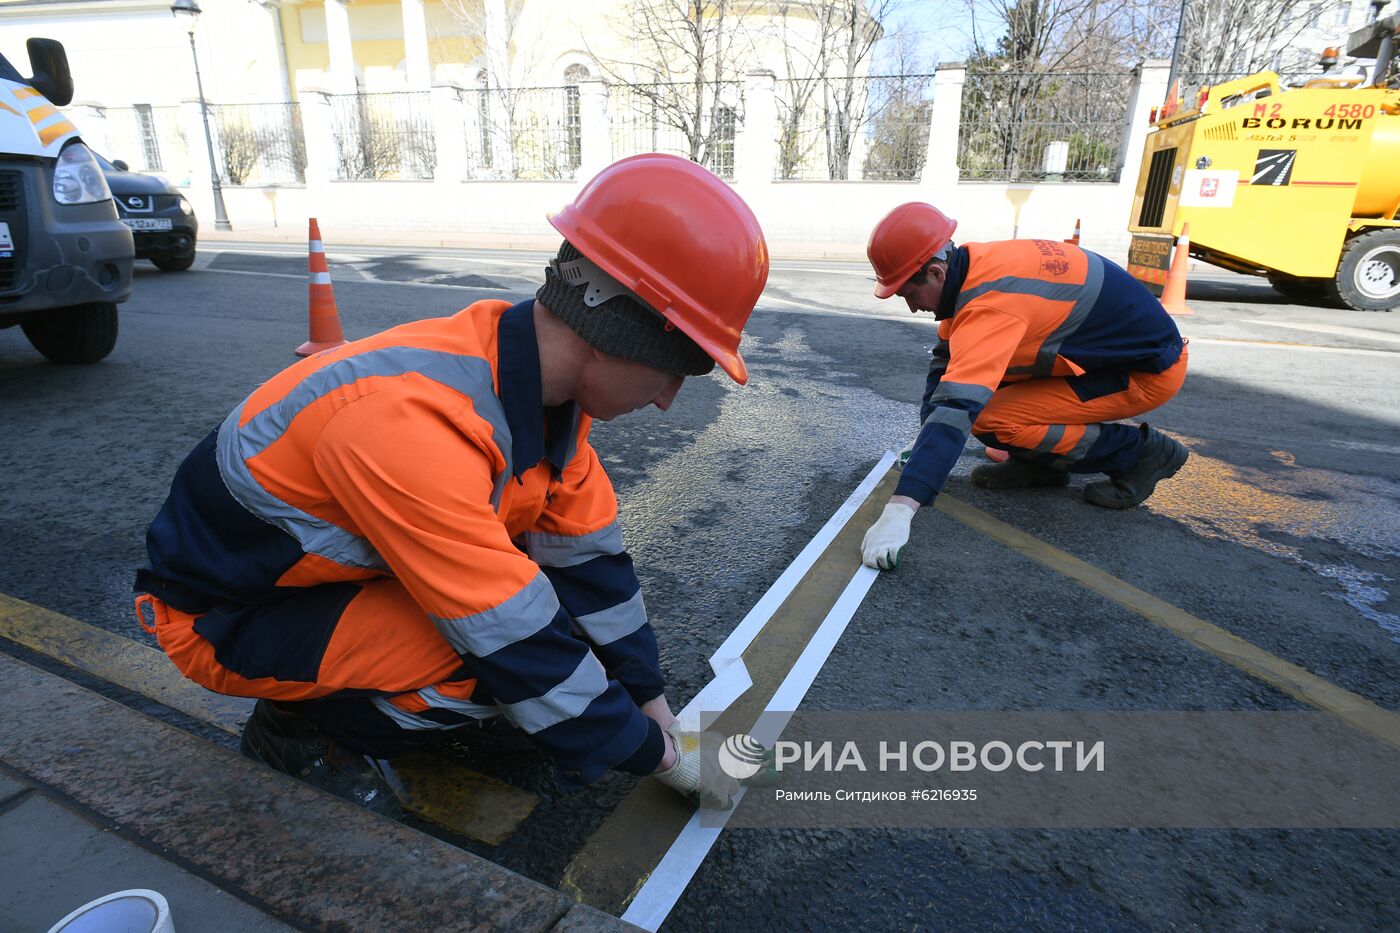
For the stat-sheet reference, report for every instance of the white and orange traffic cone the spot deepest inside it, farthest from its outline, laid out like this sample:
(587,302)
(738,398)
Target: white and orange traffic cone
(1075,239)
(1174,292)
(325,317)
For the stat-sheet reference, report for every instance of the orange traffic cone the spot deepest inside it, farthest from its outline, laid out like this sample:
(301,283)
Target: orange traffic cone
(1075,239)
(1174,292)
(325,317)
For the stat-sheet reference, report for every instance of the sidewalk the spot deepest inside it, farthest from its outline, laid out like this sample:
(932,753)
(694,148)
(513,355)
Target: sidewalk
(97,798)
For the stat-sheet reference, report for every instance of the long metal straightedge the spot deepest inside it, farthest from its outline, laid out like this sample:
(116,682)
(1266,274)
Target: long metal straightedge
(622,854)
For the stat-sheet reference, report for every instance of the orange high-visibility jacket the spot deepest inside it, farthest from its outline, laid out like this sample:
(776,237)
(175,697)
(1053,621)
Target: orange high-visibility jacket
(1027,309)
(425,453)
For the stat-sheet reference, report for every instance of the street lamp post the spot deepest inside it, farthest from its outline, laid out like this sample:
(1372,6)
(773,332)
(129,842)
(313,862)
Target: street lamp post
(188,11)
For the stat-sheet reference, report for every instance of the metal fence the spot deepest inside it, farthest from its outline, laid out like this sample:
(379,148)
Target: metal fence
(149,139)
(873,128)
(259,144)
(1033,126)
(699,122)
(380,136)
(522,133)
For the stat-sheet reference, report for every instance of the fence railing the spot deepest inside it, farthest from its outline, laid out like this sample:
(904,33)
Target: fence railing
(700,122)
(1033,126)
(260,144)
(148,139)
(1026,126)
(380,136)
(873,128)
(522,133)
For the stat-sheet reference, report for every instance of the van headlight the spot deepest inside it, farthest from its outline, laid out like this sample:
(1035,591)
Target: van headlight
(78,179)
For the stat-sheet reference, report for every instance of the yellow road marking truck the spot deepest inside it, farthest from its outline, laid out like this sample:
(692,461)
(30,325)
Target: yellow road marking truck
(1301,185)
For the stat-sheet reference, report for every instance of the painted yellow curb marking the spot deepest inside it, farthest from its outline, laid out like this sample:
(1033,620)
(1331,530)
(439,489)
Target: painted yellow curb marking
(458,798)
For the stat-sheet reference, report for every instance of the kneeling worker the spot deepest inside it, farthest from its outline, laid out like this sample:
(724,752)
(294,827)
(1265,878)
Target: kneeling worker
(1042,347)
(411,533)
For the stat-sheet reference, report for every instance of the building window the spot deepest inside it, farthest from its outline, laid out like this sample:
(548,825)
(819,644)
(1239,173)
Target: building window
(721,160)
(573,120)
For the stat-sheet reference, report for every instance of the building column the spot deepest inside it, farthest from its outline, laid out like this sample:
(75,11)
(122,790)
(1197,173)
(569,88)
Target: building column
(415,46)
(316,128)
(1149,89)
(595,128)
(343,79)
(476,150)
(497,80)
(945,120)
(756,149)
(449,126)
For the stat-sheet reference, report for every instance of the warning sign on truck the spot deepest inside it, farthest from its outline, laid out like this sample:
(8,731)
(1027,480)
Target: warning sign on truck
(1149,258)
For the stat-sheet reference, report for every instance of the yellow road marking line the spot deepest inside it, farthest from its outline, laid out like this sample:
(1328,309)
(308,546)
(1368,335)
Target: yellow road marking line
(1293,680)
(450,795)
(117,660)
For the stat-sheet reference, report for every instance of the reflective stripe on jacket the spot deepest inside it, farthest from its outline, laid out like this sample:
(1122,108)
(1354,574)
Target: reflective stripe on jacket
(1027,309)
(424,453)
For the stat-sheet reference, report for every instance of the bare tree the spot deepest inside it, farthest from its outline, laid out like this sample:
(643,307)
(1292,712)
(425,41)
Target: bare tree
(827,46)
(1224,37)
(899,131)
(1039,71)
(516,122)
(688,59)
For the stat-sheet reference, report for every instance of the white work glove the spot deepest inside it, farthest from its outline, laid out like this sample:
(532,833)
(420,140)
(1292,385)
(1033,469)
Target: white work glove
(887,537)
(696,773)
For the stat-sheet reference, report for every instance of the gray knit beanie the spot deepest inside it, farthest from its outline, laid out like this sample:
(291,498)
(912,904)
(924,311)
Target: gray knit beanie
(611,319)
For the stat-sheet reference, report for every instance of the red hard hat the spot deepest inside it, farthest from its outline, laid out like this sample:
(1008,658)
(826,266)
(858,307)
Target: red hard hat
(681,240)
(905,239)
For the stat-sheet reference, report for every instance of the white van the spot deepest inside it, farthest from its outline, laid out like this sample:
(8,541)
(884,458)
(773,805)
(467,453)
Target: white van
(65,258)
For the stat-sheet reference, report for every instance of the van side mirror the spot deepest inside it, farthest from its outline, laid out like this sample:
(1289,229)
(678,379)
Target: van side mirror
(49,63)
(121,166)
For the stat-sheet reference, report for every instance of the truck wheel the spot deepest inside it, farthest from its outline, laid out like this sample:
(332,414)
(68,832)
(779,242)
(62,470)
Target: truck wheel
(80,334)
(1368,275)
(1302,291)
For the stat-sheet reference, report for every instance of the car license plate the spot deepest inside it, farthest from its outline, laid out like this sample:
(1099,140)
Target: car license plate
(147,223)
(7,245)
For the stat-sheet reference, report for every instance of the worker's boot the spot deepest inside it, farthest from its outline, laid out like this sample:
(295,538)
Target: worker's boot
(293,744)
(1015,473)
(1160,458)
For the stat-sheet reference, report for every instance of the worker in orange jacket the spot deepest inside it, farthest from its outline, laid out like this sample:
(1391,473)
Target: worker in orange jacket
(411,533)
(1042,347)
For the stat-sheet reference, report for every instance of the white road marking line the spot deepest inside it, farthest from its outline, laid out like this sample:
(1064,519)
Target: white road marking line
(367,281)
(1338,329)
(1271,345)
(664,886)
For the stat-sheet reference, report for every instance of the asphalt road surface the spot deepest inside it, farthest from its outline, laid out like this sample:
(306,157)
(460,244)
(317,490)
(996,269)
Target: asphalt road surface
(1283,528)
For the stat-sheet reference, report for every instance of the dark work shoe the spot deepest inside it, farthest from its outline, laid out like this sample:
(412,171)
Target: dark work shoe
(1016,473)
(293,744)
(1160,458)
